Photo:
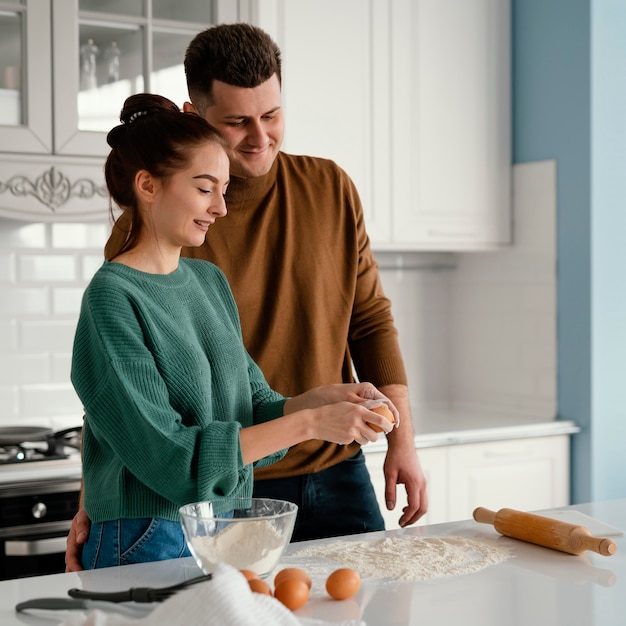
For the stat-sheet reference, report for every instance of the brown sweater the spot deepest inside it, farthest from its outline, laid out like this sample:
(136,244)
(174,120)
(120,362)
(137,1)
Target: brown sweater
(294,249)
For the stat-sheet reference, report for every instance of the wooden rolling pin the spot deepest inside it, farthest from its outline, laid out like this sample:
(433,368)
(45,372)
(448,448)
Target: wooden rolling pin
(544,531)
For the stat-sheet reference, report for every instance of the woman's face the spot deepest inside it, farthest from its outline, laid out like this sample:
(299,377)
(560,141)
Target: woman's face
(188,202)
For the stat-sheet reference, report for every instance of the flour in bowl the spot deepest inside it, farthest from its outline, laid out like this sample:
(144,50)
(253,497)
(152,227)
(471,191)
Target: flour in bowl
(255,545)
(409,558)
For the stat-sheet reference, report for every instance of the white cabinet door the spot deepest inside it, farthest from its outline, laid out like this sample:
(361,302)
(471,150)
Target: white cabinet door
(336,90)
(451,126)
(25,106)
(149,48)
(412,99)
(433,463)
(525,474)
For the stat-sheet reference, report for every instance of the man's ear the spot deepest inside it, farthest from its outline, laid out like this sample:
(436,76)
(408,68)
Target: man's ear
(145,185)
(189,108)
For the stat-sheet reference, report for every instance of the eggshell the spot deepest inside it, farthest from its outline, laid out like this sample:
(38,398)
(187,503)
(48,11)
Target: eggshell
(343,583)
(292,572)
(385,411)
(260,586)
(293,593)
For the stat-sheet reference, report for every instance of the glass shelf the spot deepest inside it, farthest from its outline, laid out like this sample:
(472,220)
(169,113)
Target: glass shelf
(11,36)
(126,51)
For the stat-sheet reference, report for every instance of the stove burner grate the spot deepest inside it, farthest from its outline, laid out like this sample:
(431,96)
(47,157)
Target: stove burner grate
(22,445)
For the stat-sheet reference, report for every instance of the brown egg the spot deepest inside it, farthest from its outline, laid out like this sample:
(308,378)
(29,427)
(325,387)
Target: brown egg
(385,411)
(249,574)
(293,593)
(292,572)
(260,586)
(343,583)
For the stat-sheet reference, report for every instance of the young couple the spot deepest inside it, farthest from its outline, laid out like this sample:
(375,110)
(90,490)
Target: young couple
(175,408)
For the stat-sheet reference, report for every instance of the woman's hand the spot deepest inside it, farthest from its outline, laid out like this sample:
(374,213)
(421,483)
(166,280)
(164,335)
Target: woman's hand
(336,413)
(345,422)
(357,393)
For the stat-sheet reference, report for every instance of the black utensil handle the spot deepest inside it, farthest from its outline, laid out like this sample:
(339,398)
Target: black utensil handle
(113,596)
(137,594)
(51,604)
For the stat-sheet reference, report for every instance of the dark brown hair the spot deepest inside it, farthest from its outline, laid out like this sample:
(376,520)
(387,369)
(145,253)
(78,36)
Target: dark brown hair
(241,55)
(156,136)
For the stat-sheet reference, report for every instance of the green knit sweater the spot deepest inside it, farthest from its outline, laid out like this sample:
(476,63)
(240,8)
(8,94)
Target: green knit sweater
(166,383)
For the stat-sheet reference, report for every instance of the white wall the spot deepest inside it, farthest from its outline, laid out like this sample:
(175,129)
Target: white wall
(44,269)
(478,330)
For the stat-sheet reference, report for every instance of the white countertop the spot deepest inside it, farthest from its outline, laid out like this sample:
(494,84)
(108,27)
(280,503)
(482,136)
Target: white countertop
(535,587)
(446,428)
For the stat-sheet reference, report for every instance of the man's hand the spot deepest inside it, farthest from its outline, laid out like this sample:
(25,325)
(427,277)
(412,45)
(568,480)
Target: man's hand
(79,532)
(402,467)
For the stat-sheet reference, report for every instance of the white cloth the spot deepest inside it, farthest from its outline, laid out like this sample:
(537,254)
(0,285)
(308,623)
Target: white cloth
(225,600)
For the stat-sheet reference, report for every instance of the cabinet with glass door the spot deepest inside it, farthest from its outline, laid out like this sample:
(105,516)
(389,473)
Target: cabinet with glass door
(67,67)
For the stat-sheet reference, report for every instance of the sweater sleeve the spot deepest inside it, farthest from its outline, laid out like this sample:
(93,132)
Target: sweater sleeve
(373,338)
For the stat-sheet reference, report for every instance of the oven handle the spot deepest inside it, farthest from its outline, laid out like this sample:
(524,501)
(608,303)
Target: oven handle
(35,547)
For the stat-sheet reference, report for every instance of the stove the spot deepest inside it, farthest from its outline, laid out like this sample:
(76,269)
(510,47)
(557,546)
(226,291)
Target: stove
(40,478)
(20,445)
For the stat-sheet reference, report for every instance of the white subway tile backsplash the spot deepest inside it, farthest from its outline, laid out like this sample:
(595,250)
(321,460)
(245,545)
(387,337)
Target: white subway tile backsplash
(47,335)
(47,267)
(19,369)
(10,414)
(60,367)
(8,335)
(7,268)
(80,236)
(24,301)
(66,300)
(49,400)
(20,235)
(90,265)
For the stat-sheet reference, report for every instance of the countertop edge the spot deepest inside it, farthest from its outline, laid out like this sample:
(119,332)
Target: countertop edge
(480,435)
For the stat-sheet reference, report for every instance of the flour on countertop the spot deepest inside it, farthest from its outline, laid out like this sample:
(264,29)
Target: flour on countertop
(410,558)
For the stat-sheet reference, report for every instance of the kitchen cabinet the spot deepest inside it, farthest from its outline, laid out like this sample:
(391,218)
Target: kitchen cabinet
(76,62)
(528,474)
(412,99)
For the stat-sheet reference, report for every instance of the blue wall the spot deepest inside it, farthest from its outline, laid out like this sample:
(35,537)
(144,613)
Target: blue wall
(569,104)
(608,244)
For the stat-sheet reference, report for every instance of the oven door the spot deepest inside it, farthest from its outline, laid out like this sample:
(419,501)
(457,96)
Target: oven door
(32,554)
(35,519)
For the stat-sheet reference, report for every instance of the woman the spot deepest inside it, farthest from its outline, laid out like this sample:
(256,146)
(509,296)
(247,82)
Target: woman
(175,409)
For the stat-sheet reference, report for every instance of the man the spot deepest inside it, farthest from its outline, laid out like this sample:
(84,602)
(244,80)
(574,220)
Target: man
(298,259)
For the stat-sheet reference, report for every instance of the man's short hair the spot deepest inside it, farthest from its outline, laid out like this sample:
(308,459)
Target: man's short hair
(241,55)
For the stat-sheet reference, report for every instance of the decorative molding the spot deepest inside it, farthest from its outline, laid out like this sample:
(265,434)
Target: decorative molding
(53,189)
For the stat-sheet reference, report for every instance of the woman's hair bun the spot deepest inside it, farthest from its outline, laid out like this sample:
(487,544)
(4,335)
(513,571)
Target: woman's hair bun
(139,107)
(144,104)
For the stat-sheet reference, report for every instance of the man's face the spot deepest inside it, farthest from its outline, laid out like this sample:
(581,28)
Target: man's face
(251,121)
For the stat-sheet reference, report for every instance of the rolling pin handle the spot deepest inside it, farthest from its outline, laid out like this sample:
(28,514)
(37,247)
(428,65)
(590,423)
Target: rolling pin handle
(607,547)
(483,515)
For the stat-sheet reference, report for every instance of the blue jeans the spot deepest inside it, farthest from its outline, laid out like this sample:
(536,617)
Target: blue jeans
(337,501)
(125,541)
